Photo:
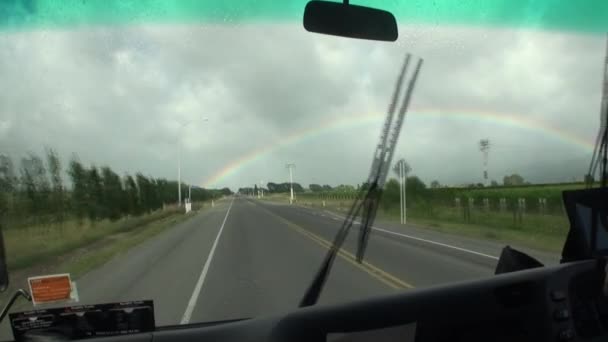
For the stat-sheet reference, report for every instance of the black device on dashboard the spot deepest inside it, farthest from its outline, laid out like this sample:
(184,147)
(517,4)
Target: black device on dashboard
(588,215)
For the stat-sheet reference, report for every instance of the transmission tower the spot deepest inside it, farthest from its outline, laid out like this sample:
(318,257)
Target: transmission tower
(484,147)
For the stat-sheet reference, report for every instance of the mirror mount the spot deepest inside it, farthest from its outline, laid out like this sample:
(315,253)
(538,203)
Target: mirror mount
(353,21)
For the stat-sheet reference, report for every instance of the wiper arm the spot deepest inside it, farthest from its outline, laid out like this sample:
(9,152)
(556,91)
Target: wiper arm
(601,141)
(368,198)
(383,164)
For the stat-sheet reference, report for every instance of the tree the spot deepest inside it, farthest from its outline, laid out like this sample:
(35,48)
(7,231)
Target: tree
(415,188)
(315,187)
(78,176)
(283,187)
(36,184)
(276,187)
(8,183)
(513,180)
(201,194)
(113,193)
(390,196)
(494,183)
(8,178)
(297,187)
(57,191)
(29,186)
(327,187)
(435,184)
(406,167)
(344,188)
(145,194)
(255,190)
(248,191)
(132,193)
(95,191)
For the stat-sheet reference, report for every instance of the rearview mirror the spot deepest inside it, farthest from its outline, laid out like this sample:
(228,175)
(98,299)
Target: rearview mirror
(342,19)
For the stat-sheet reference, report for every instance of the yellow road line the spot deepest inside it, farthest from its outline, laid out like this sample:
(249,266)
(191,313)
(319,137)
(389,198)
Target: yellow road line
(374,271)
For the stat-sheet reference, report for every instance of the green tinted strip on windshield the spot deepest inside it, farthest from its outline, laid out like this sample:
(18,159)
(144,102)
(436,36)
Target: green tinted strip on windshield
(576,15)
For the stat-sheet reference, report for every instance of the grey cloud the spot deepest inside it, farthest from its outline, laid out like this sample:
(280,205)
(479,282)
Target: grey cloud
(117,96)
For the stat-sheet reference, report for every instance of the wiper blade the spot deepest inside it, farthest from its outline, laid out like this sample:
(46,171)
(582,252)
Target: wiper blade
(601,141)
(383,163)
(368,198)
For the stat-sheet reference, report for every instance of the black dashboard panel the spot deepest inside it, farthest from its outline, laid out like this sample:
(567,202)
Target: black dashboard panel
(541,304)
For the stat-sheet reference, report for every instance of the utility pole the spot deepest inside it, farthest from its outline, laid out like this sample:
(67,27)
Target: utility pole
(484,147)
(179,160)
(291,167)
(179,173)
(401,197)
(403,185)
(402,169)
(262,188)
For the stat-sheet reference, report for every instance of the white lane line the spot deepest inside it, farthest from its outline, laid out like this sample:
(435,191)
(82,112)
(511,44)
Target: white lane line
(430,241)
(435,243)
(201,278)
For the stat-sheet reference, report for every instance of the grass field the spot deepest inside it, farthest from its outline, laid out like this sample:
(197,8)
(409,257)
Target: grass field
(27,246)
(76,249)
(540,232)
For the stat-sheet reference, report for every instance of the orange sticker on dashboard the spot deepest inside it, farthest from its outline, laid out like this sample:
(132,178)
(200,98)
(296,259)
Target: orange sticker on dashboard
(50,288)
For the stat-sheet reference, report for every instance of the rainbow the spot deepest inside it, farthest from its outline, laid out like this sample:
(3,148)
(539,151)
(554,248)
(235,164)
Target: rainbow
(503,119)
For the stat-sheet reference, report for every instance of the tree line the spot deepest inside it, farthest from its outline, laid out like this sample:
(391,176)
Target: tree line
(272,188)
(35,191)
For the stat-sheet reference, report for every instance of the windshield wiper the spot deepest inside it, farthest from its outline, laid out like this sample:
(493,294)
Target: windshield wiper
(600,151)
(368,198)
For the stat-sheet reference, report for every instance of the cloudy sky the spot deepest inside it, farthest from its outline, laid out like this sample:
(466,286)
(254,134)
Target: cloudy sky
(244,100)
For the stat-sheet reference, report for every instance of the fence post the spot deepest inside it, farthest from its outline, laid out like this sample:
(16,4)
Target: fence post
(486,204)
(542,203)
(521,209)
(469,208)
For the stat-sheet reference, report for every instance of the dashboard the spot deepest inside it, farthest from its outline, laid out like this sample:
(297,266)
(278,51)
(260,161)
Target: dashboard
(558,303)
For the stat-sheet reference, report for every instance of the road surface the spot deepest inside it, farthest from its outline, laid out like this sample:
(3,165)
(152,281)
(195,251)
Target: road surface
(246,258)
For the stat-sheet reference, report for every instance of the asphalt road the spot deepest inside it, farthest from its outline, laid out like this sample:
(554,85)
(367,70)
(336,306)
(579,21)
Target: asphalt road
(246,258)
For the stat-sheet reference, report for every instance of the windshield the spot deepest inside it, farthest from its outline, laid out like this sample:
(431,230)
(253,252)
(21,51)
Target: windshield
(204,156)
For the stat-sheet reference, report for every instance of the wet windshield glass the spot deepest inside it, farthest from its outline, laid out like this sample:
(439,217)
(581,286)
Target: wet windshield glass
(204,156)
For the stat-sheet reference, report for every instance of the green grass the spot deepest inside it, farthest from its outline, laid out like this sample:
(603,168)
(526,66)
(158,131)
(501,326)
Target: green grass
(31,245)
(28,246)
(552,193)
(77,249)
(534,239)
(539,232)
(121,243)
